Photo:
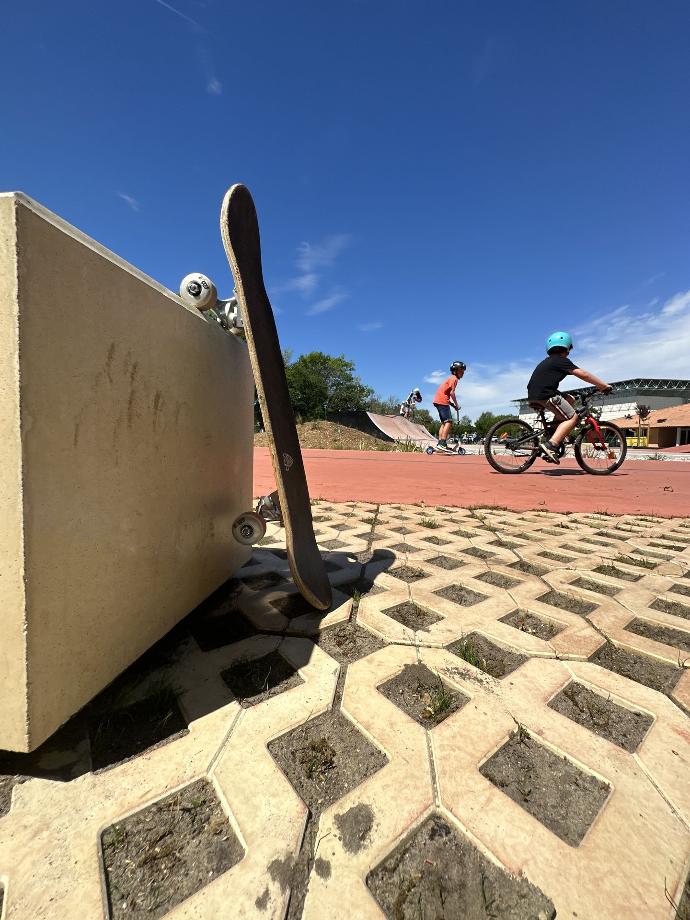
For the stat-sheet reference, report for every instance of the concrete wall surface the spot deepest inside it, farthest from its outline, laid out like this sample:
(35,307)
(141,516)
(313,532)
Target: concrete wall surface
(126,426)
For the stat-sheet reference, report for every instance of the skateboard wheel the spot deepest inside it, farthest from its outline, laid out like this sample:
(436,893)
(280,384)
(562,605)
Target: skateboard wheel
(248,528)
(430,450)
(196,290)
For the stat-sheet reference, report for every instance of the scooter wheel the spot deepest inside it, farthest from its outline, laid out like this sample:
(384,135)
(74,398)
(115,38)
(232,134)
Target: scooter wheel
(249,528)
(462,451)
(430,450)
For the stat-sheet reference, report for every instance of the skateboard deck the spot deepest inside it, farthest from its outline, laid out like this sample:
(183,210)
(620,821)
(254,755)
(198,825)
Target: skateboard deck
(240,231)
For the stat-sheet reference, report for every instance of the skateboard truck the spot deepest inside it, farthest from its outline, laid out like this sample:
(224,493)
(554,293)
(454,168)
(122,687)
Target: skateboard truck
(197,290)
(250,527)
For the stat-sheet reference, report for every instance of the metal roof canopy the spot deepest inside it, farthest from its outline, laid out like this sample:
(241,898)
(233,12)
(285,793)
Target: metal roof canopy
(640,384)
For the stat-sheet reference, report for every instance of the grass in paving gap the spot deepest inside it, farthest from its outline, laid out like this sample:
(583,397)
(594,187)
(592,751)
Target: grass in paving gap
(422,695)
(622,726)
(485,655)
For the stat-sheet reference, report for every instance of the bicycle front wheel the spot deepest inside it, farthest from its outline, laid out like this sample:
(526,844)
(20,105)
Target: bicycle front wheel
(600,455)
(511,446)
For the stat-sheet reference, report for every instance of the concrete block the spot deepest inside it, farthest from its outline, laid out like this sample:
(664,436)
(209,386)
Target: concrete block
(126,426)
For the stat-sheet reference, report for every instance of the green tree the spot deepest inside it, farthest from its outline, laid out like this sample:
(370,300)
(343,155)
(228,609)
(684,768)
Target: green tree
(389,405)
(464,426)
(485,421)
(320,383)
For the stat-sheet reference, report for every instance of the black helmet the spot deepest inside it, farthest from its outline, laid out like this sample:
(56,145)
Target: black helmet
(458,366)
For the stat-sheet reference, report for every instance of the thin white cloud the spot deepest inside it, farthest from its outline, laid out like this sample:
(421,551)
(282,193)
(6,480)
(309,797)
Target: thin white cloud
(323,254)
(369,327)
(302,284)
(619,344)
(192,22)
(654,278)
(214,87)
(130,201)
(327,303)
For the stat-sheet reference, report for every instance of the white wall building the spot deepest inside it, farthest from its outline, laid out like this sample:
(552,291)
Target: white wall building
(656,393)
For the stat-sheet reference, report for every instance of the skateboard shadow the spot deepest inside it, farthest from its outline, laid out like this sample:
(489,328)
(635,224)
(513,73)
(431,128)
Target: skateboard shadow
(219,653)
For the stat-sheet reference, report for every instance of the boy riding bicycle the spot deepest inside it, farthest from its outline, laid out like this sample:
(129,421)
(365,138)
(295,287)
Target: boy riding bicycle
(444,399)
(542,390)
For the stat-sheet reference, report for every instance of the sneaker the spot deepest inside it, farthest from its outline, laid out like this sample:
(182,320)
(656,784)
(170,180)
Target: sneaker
(442,444)
(551,450)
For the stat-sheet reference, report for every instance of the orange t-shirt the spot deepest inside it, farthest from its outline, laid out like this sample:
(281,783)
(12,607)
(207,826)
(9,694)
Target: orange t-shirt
(446,391)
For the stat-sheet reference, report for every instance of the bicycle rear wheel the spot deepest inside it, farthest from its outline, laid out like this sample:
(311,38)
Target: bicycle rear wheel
(516,447)
(600,456)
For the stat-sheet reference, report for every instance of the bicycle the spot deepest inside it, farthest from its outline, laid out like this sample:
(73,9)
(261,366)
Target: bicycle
(512,445)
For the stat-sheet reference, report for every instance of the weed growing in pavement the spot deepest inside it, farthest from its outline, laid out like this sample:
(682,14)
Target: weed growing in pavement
(318,758)
(468,653)
(429,522)
(440,702)
(632,560)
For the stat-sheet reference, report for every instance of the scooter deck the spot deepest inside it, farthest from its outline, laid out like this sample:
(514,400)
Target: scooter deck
(240,231)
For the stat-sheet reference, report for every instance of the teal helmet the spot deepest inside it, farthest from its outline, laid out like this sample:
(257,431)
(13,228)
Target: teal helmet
(559,340)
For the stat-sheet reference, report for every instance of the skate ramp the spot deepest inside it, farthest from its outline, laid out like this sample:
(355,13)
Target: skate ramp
(385,427)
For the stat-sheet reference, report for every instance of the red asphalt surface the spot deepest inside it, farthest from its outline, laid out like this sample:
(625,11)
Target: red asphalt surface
(638,487)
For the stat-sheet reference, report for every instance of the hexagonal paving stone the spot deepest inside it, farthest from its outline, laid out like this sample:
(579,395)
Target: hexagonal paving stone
(255,680)
(423,695)
(618,724)
(438,873)
(325,758)
(551,788)
(161,855)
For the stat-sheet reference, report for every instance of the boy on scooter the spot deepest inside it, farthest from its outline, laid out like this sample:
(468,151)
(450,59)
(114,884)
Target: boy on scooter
(444,399)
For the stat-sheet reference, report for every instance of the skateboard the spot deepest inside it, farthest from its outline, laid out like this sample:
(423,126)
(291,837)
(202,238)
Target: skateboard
(249,312)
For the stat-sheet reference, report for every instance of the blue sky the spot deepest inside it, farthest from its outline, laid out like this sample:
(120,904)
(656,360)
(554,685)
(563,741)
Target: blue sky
(435,181)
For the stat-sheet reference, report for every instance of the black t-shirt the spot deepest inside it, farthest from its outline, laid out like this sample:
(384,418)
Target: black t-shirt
(543,384)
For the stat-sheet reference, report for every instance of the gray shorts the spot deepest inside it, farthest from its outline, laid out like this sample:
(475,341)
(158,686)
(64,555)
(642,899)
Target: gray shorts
(559,405)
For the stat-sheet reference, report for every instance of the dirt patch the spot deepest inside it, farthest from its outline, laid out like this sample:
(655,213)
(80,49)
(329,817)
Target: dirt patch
(437,541)
(412,616)
(408,574)
(641,668)
(669,547)
(613,572)
(498,580)
(533,625)
(267,580)
(252,681)
(597,586)
(624,727)
(556,557)
(567,602)
(461,595)
(422,695)
(680,589)
(446,562)
(640,562)
(550,788)
(529,568)
(437,873)
(361,588)
(333,544)
(355,825)
(478,552)
(348,642)
(674,637)
(675,608)
(156,858)
(293,605)
(217,630)
(119,731)
(480,652)
(401,548)
(325,758)
(324,435)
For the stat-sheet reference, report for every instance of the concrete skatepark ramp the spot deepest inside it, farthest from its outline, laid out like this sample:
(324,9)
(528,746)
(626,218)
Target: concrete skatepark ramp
(385,427)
